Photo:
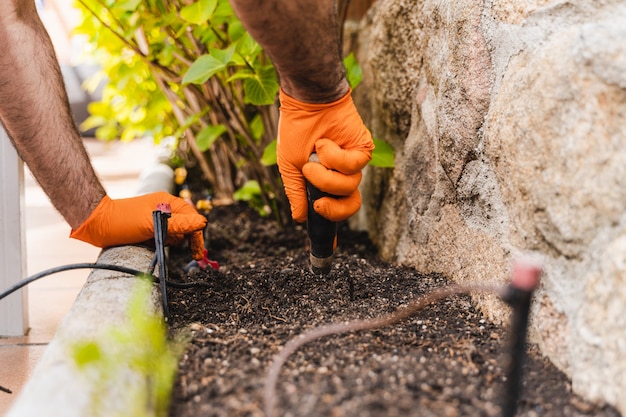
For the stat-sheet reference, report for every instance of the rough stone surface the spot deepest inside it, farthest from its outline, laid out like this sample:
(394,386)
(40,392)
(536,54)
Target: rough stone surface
(507,119)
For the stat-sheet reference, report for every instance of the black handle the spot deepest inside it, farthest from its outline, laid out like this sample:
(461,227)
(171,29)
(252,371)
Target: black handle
(322,232)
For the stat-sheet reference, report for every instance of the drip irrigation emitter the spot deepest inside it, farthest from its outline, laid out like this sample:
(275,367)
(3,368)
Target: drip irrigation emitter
(518,294)
(160,216)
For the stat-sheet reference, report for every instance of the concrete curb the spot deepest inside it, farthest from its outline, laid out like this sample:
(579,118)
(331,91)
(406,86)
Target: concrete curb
(57,387)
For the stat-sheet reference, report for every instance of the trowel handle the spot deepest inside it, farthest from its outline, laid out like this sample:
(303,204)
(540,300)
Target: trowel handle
(322,232)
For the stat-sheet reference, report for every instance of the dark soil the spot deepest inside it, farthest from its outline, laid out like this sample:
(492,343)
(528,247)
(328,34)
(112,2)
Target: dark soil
(447,360)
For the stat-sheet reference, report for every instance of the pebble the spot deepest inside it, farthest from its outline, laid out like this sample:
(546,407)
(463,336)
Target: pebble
(192,389)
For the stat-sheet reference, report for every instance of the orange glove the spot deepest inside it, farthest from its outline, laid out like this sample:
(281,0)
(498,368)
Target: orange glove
(129,220)
(343,145)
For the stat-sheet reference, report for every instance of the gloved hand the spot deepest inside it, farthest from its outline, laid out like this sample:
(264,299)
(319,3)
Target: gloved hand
(129,220)
(343,145)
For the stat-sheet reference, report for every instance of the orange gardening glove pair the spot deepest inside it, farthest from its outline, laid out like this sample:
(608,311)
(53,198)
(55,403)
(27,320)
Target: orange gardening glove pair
(129,220)
(343,145)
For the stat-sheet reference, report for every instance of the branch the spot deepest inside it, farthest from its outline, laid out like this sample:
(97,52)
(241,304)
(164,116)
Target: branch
(206,170)
(135,48)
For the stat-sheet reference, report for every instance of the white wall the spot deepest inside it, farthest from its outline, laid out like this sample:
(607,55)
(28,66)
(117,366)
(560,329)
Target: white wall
(14,308)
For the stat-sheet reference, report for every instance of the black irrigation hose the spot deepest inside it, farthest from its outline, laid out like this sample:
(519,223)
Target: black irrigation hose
(109,267)
(70,267)
(185,285)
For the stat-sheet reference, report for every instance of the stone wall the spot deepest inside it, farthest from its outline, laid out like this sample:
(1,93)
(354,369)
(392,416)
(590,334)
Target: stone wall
(508,120)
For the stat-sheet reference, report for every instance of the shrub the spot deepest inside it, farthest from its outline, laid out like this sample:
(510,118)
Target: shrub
(188,70)
(191,72)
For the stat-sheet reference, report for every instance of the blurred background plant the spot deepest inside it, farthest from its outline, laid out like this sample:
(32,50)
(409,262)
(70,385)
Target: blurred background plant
(188,71)
(136,354)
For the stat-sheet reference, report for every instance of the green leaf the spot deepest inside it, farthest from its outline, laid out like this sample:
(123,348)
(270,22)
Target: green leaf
(86,353)
(248,47)
(92,122)
(127,5)
(269,157)
(236,30)
(256,127)
(166,55)
(208,136)
(241,74)
(252,194)
(224,10)
(354,74)
(199,12)
(249,191)
(202,69)
(262,88)
(247,50)
(107,133)
(224,55)
(109,356)
(383,155)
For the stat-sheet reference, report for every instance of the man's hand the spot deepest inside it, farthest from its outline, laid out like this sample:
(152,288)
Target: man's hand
(129,220)
(343,145)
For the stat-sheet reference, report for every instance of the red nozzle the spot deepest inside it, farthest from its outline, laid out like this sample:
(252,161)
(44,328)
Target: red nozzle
(164,207)
(526,275)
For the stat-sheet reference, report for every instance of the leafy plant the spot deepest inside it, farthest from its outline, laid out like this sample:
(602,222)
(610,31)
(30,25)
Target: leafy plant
(139,350)
(187,70)
(251,193)
(383,155)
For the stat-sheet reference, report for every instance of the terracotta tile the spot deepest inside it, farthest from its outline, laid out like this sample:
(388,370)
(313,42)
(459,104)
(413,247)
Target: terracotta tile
(16,363)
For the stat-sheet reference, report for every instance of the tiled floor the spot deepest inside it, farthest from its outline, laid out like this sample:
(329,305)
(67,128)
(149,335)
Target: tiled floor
(48,245)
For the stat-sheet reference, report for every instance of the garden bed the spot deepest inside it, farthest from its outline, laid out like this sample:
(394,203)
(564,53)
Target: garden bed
(446,360)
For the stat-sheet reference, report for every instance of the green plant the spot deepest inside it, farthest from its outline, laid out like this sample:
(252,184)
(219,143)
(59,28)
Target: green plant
(188,70)
(136,355)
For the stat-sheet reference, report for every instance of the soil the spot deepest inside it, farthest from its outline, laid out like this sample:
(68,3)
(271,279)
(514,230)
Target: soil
(446,360)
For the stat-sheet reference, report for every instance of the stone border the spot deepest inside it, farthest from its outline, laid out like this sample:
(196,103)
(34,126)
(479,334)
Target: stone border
(57,388)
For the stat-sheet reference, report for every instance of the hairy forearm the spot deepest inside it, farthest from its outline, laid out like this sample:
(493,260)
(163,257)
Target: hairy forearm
(302,39)
(35,112)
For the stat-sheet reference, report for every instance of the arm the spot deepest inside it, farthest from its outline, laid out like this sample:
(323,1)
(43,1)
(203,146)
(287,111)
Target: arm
(35,112)
(302,39)
(316,109)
